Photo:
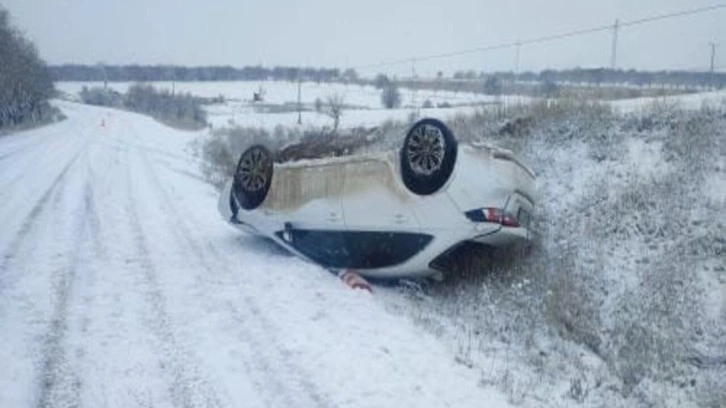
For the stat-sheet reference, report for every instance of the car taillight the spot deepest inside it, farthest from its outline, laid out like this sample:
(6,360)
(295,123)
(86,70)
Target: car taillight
(493,215)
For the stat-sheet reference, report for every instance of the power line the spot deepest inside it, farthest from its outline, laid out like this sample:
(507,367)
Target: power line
(673,15)
(547,38)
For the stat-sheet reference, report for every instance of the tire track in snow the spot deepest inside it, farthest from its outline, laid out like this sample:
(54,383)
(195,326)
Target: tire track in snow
(60,383)
(272,389)
(94,221)
(21,149)
(25,144)
(57,382)
(43,153)
(113,348)
(276,367)
(34,286)
(187,388)
(31,219)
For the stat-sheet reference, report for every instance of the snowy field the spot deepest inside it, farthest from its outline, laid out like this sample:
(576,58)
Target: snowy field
(362,103)
(689,102)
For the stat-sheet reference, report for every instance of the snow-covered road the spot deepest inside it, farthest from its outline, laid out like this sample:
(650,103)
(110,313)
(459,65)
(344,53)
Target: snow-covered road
(121,287)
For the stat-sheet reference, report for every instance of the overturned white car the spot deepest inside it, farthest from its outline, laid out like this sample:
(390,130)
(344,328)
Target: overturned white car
(387,215)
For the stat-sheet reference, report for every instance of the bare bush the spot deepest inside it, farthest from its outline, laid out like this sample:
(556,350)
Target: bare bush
(101,96)
(390,96)
(334,109)
(493,86)
(181,110)
(221,150)
(549,89)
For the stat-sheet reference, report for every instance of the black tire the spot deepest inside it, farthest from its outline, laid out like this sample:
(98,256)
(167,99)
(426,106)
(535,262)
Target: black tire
(253,177)
(428,156)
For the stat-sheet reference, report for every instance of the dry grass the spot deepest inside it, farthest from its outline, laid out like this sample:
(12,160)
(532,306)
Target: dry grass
(617,268)
(615,273)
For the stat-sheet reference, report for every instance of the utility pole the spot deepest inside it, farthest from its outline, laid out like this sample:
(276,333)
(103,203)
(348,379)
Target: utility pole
(299,100)
(516,64)
(103,72)
(345,78)
(713,58)
(614,52)
(414,86)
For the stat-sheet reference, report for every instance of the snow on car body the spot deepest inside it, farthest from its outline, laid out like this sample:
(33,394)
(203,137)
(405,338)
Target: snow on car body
(385,215)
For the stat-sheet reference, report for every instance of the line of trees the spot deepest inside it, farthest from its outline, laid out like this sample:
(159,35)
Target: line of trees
(142,73)
(25,83)
(599,76)
(581,76)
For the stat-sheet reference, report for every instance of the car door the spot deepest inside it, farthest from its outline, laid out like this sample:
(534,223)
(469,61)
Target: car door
(308,196)
(374,199)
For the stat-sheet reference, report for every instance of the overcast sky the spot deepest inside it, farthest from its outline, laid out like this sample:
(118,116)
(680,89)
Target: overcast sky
(354,33)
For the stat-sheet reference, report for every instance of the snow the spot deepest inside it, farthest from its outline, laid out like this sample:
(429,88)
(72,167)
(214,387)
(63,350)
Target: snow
(362,103)
(635,215)
(685,101)
(281,92)
(222,117)
(121,286)
(715,186)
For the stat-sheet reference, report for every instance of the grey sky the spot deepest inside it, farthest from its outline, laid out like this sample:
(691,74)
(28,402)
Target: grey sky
(354,33)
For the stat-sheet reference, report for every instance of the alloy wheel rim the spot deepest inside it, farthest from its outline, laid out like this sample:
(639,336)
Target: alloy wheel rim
(425,149)
(253,169)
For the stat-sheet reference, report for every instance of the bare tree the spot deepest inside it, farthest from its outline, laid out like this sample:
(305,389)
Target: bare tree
(334,108)
(549,89)
(381,81)
(350,75)
(493,86)
(390,96)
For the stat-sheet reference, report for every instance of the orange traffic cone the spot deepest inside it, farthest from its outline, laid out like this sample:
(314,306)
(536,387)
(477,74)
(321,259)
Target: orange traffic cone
(355,281)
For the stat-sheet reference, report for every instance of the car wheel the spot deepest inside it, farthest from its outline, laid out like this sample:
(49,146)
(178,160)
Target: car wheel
(428,156)
(253,177)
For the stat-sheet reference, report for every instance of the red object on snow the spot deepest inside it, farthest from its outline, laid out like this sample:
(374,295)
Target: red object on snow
(355,281)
